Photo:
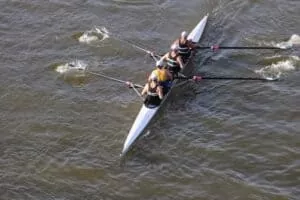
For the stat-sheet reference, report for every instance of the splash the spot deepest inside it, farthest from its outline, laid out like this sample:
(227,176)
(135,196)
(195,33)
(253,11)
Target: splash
(96,34)
(74,66)
(294,40)
(275,70)
(102,30)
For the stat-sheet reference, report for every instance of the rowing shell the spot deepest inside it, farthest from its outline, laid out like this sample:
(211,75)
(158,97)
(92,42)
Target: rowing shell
(146,114)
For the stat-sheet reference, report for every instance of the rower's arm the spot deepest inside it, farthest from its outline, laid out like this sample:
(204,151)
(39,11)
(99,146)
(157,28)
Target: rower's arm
(179,60)
(160,92)
(170,76)
(145,89)
(164,57)
(192,45)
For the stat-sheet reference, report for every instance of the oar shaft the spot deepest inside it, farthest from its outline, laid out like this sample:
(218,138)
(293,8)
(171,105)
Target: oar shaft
(107,77)
(113,79)
(138,47)
(239,78)
(132,44)
(225,47)
(197,78)
(138,93)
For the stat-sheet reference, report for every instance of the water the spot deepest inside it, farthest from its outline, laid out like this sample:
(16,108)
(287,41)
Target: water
(62,130)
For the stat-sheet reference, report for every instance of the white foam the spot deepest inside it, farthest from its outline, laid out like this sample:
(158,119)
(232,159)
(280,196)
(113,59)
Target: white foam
(102,31)
(294,40)
(278,68)
(87,38)
(74,66)
(96,34)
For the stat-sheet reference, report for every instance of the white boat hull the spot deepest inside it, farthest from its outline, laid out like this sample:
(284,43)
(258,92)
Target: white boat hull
(146,114)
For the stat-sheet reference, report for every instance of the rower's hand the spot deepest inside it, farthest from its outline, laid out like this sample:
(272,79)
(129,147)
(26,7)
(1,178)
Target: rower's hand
(215,47)
(194,47)
(197,78)
(152,54)
(129,84)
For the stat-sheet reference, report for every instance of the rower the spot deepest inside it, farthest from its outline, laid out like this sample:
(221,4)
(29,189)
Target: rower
(174,61)
(154,93)
(164,77)
(184,46)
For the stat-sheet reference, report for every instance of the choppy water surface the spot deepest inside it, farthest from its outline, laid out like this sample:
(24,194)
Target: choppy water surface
(62,129)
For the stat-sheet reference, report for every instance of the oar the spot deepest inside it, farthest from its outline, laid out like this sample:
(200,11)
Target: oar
(137,92)
(130,43)
(154,56)
(216,47)
(198,78)
(115,79)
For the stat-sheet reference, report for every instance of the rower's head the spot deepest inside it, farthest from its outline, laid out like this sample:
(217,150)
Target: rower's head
(184,35)
(159,64)
(153,78)
(174,48)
